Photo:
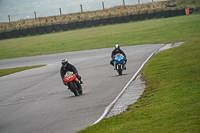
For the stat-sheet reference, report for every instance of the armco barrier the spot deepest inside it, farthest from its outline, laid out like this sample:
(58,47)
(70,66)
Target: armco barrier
(40,30)
(16,33)
(90,23)
(65,27)
(80,24)
(151,15)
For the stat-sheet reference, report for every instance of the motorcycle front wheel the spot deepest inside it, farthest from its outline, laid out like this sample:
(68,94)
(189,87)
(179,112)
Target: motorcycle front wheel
(120,72)
(73,87)
(80,91)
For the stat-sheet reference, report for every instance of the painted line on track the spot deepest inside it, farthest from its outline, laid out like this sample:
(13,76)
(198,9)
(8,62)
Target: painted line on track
(109,107)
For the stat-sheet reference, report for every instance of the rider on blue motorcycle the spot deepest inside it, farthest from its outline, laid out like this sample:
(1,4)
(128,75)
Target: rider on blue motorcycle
(116,51)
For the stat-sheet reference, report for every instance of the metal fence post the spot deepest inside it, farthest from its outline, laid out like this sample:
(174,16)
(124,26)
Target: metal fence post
(9,18)
(123,2)
(103,5)
(81,8)
(60,11)
(35,14)
(138,1)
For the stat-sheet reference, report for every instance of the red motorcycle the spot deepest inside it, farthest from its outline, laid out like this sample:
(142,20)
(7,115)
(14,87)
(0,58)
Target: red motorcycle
(73,83)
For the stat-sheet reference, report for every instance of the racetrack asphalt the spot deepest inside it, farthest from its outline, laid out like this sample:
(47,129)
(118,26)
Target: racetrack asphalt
(36,100)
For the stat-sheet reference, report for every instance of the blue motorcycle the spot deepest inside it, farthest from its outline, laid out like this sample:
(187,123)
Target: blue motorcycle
(119,63)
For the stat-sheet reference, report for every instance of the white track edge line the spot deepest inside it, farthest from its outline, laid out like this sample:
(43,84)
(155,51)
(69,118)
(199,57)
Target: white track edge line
(109,107)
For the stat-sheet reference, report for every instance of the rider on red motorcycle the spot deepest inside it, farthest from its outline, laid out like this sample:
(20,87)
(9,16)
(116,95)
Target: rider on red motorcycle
(116,51)
(68,67)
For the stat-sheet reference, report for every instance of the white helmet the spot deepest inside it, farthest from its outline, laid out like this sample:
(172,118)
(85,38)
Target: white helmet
(64,62)
(117,47)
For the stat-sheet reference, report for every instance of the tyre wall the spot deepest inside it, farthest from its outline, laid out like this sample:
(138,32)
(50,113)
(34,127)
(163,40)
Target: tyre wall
(142,16)
(167,14)
(57,27)
(41,30)
(65,27)
(104,21)
(73,25)
(90,23)
(112,20)
(81,24)
(151,15)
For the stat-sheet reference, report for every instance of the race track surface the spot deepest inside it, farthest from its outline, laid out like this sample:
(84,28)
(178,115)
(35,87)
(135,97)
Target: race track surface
(36,101)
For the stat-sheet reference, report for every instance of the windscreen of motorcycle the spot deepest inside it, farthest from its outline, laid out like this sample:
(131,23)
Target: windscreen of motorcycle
(68,73)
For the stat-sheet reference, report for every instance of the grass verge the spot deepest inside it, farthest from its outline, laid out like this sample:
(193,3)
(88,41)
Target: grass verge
(171,100)
(8,71)
(165,30)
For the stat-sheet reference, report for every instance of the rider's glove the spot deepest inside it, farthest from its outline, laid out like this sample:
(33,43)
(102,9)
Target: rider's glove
(76,74)
(64,83)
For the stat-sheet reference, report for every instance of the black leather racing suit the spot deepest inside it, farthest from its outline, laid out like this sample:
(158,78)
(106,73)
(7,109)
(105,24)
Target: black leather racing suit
(114,52)
(69,67)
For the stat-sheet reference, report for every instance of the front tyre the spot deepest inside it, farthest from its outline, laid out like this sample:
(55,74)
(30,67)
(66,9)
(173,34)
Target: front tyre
(73,87)
(120,72)
(80,91)
(119,69)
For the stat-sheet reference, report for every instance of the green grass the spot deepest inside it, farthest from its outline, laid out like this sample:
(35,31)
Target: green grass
(171,100)
(154,31)
(8,71)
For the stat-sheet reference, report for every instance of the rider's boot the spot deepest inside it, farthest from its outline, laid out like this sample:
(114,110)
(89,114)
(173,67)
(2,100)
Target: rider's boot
(81,82)
(124,67)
